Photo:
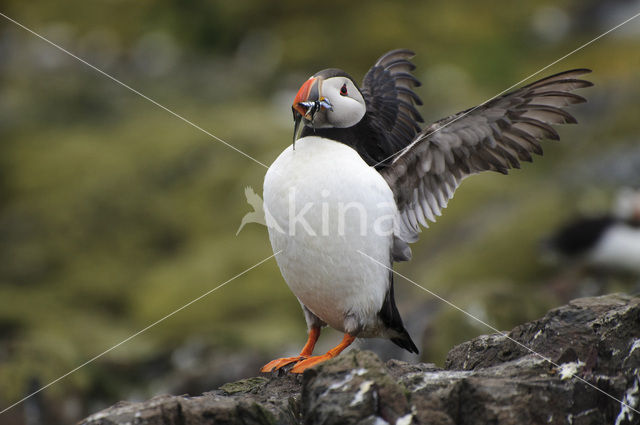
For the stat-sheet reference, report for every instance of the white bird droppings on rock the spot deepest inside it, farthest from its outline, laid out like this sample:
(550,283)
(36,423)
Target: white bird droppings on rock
(359,397)
(342,384)
(567,370)
(405,420)
(631,398)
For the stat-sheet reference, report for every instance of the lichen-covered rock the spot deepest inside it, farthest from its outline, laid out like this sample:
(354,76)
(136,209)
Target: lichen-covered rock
(589,352)
(597,338)
(354,388)
(252,401)
(589,329)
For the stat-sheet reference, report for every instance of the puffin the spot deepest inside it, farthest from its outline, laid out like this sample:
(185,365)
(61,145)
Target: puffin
(606,241)
(362,176)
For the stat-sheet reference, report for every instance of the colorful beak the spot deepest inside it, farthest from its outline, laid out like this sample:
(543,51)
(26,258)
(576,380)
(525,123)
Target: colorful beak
(309,92)
(308,102)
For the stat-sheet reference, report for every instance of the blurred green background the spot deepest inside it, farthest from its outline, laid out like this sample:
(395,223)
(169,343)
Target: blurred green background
(114,213)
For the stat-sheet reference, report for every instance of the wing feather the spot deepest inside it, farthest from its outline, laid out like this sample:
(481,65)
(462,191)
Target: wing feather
(495,136)
(388,92)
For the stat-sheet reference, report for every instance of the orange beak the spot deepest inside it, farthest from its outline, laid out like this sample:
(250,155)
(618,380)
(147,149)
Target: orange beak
(301,104)
(308,92)
(307,103)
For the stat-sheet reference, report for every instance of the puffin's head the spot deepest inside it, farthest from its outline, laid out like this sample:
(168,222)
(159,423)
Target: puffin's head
(329,99)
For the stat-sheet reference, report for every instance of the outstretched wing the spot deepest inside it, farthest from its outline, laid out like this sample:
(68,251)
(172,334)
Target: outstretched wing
(493,137)
(387,89)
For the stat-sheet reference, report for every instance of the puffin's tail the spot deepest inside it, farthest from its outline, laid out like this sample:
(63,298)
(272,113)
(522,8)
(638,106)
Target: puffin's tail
(390,316)
(405,341)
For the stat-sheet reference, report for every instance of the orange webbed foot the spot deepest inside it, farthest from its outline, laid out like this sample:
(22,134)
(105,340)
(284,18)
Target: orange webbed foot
(280,363)
(305,364)
(276,364)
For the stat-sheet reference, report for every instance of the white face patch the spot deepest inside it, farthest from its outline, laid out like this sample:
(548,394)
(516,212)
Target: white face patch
(347,103)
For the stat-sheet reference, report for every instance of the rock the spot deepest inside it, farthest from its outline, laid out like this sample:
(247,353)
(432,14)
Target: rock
(492,379)
(255,400)
(354,388)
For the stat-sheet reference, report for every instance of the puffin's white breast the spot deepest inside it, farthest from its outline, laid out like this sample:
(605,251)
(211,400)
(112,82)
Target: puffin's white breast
(324,204)
(619,247)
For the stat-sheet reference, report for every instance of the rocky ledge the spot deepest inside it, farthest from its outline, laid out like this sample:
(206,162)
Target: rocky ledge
(588,356)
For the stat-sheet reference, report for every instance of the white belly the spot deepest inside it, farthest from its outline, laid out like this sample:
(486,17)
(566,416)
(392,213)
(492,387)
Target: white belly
(620,248)
(325,205)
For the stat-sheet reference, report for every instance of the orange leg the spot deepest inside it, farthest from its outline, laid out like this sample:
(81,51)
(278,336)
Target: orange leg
(307,350)
(312,361)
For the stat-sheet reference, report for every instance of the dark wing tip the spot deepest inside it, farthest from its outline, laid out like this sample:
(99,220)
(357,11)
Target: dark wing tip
(575,71)
(582,71)
(563,77)
(586,83)
(572,72)
(402,53)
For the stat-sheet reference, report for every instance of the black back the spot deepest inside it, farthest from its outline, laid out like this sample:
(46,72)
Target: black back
(580,236)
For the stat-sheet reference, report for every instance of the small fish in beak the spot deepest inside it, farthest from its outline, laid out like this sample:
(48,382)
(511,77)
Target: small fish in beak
(307,103)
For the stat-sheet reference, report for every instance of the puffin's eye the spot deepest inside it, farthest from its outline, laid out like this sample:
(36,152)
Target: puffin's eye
(343,89)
